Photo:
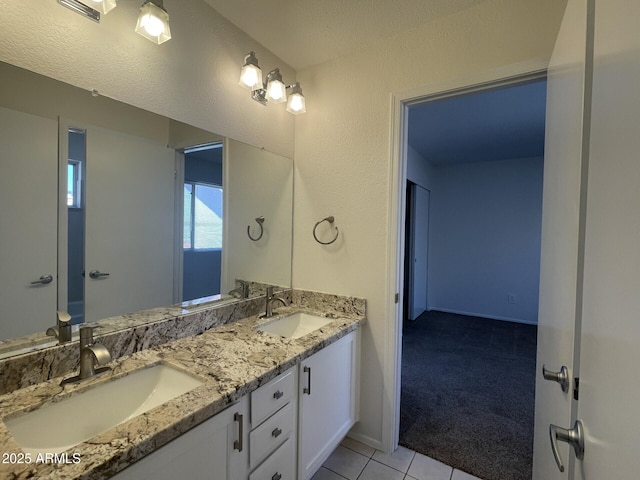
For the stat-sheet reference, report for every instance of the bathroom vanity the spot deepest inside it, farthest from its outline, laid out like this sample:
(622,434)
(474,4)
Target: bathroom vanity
(264,405)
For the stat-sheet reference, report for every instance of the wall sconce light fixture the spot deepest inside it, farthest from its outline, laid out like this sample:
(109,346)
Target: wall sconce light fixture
(153,22)
(274,89)
(82,9)
(103,6)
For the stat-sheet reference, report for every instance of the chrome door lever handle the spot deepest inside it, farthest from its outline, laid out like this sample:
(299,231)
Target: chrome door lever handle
(97,274)
(573,436)
(562,377)
(43,280)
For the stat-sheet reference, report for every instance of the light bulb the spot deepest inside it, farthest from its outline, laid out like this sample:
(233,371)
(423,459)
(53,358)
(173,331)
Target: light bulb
(152,24)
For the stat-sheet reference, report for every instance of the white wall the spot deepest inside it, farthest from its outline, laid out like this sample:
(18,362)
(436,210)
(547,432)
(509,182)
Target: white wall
(257,183)
(191,78)
(484,242)
(343,152)
(419,170)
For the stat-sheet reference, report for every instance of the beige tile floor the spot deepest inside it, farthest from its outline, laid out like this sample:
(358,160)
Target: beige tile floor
(353,460)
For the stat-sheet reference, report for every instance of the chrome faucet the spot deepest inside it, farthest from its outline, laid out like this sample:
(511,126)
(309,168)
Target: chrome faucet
(91,354)
(62,330)
(241,290)
(271,298)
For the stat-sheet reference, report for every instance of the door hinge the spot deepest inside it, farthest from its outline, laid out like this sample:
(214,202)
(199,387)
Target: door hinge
(397,297)
(576,388)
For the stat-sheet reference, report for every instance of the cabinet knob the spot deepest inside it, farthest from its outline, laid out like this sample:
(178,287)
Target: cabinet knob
(276,432)
(278,395)
(277,476)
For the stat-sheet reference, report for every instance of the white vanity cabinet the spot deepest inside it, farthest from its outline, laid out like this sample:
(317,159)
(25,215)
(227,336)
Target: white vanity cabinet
(328,401)
(217,449)
(283,430)
(273,437)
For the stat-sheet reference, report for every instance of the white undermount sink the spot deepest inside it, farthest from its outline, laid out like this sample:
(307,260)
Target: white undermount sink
(295,325)
(62,425)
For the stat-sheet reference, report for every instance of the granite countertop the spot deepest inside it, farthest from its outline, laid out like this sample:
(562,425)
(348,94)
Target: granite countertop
(232,360)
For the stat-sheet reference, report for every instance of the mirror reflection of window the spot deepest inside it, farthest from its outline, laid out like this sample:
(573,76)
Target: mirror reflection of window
(202,216)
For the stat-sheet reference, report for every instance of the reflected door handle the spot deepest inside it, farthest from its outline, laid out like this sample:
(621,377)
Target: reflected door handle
(98,274)
(562,377)
(573,436)
(43,280)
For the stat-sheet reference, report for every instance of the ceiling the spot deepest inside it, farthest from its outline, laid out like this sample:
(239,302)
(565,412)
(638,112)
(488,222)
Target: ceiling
(488,125)
(308,32)
(499,124)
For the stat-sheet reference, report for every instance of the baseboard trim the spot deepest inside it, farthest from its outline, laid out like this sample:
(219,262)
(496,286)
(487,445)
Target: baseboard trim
(371,442)
(482,315)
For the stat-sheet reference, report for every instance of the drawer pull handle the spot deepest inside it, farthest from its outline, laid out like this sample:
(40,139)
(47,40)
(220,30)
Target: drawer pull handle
(238,444)
(277,476)
(276,432)
(278,395)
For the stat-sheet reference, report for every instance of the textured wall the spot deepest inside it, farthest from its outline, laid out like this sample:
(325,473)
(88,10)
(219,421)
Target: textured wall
(192,78)
(342,154)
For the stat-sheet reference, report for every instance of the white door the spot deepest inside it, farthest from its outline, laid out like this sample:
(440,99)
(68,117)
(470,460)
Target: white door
(129,224)
(419,249)
(28,223)
(610,340)
(561,221)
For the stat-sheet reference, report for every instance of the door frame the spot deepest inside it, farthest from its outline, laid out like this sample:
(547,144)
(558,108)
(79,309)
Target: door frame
(400,102)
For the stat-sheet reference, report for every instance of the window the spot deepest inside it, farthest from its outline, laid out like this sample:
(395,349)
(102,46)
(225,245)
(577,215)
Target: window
(202,216)
(74,193)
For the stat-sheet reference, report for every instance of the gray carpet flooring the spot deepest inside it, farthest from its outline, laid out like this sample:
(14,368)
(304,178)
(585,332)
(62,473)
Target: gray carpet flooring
(468,388)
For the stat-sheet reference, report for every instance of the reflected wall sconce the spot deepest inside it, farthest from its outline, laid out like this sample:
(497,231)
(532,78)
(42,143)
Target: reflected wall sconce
(153,20)
(273,89)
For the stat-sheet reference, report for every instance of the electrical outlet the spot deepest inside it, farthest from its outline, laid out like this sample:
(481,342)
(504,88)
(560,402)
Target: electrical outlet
(511,298)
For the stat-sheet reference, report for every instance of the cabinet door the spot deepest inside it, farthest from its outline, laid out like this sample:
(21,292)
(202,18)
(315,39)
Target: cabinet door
(327,402)
(207,452)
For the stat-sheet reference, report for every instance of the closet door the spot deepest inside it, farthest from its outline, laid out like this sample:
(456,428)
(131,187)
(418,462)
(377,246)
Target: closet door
(129,224)
(28,223)
(562,217)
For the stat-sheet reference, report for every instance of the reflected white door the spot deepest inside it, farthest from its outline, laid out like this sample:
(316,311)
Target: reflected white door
(561,220)
(610,348)
(129,223)
(28,220)
(419,249)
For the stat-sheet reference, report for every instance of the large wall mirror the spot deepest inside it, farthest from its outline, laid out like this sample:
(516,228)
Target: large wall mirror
(108,209)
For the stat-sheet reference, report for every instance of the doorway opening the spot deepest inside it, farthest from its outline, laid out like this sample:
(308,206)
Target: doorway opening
(471,260)
(202,221)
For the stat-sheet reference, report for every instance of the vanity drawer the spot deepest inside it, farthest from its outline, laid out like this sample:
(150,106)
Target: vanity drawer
(272,396)
(279,466)
(271,434)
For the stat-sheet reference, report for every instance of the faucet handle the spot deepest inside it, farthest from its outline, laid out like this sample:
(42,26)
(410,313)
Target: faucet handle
(62,317)
(86,336)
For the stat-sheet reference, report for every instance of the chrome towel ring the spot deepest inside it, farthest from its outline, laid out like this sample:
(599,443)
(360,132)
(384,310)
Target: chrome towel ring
(260,221)
(330,220)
